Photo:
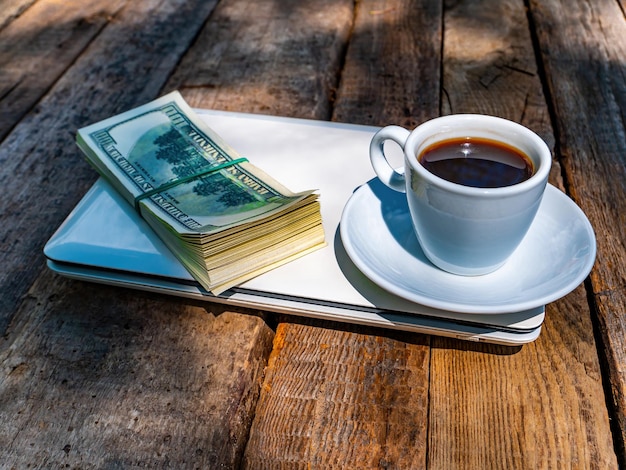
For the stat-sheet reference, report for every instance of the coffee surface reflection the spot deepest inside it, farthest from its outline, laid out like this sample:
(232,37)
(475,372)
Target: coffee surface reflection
(477,162)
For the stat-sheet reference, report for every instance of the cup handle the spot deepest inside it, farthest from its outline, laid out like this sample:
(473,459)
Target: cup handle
(386,173)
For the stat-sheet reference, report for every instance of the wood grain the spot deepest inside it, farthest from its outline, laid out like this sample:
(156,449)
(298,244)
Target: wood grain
(391,72)
(102,377)
(541,406)
(42,172)
(126,380)
(490,67)
(583,46)
(11,9)
(349,398)
(98,377)
(37,48)
(341,399)
(277,58)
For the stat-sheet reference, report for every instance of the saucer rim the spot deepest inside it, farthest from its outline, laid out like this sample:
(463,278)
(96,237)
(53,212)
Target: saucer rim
(460,307)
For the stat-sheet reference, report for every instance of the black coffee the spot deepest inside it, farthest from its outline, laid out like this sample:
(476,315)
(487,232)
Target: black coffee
(477,162)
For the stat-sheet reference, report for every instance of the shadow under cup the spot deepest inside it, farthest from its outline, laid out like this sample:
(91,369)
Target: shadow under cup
(469,230)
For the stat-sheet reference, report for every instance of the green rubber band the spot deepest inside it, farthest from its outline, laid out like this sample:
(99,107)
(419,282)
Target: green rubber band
(186,179)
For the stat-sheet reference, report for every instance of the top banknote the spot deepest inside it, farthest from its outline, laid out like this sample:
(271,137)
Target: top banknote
(162,158)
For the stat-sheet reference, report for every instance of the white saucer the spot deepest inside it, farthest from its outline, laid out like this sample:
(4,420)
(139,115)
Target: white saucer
(554,258)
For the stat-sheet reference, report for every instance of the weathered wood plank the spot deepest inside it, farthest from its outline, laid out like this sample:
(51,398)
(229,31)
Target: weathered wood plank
(538,407)
(583,46)
(97,377)
(278,58)
(391,74)
(356,397)
(11,9)
(541,406)
(38,46)
(342,398)
(489,65)
(42,172)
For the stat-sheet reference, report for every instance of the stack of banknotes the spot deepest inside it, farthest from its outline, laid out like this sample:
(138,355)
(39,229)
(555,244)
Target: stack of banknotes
(225,219)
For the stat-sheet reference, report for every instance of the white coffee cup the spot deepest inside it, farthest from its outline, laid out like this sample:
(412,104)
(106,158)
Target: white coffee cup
(462,229)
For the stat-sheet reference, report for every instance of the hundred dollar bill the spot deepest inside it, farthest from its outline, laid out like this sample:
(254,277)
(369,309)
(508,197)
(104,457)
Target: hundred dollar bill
(163,158)
(223,218)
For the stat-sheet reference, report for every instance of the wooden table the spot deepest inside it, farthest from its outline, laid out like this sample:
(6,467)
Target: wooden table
(102,377)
